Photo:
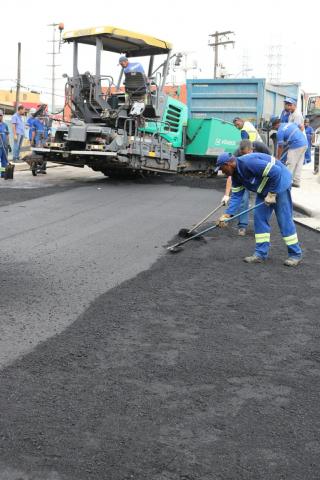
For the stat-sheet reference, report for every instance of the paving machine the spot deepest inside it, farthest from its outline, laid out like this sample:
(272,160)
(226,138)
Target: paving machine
(139,128)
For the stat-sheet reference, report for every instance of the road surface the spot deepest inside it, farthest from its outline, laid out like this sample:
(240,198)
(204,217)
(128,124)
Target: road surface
(120,361)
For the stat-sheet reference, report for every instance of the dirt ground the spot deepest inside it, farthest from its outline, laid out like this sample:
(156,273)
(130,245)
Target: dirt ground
(201,368)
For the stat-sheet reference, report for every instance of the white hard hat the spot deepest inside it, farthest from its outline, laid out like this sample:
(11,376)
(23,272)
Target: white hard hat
(32,111)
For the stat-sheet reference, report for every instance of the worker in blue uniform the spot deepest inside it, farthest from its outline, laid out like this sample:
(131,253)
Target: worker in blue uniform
(129,67)
(4,143)
(38,139)
(292,140)
(29,123)
(310,138)
(285,114)
(271,180)
(246,146)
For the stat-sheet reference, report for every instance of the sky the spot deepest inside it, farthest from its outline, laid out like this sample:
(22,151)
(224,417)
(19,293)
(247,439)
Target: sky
(256,25)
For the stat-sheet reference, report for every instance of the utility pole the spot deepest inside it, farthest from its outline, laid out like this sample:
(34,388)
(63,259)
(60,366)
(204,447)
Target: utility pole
(53,65)
(18,77)
(219,38)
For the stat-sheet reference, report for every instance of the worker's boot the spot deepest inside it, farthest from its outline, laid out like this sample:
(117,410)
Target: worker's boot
(253,259)
(292,261)
(242,232)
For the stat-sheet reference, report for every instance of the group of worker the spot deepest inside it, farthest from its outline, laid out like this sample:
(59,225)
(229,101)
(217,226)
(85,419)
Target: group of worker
(253,168)
(38,133)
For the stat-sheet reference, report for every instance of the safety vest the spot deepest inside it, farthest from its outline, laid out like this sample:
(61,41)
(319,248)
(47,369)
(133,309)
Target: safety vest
(252,132)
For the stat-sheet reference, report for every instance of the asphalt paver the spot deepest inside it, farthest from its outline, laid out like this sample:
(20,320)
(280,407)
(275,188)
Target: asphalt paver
(200,368)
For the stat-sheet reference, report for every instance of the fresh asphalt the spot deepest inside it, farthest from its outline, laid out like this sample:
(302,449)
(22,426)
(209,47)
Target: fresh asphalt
(121,361)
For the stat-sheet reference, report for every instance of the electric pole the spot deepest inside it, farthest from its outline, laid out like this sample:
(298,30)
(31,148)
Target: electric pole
(219,38)
(18,77)
(53,64)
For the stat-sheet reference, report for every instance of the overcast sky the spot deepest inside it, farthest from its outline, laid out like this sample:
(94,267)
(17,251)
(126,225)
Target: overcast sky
(257,25)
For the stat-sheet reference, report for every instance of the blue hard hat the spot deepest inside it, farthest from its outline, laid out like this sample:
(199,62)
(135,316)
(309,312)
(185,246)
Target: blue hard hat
(290,100)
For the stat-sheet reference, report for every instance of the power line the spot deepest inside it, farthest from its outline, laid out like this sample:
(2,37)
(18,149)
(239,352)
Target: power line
(220,38)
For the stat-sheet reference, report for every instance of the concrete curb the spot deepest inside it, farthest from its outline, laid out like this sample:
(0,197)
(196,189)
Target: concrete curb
(304,210)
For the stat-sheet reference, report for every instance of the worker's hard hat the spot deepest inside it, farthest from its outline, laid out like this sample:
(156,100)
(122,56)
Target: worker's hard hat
(291,100)
(32,111)
(123,58)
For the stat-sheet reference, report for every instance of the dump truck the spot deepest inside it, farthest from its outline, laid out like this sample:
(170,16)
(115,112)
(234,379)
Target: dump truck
(140,129)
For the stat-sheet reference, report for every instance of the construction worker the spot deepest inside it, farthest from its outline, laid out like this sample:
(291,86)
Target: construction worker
(271,180)
(4,143)
(245,147)
(310,138)
(248,131)
(129,67)
(285,114)
(29,123)
(294,115)
(292,140)
(38,138)
(18,132)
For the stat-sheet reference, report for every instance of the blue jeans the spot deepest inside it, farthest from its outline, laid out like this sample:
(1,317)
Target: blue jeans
(244,219)
(16,147)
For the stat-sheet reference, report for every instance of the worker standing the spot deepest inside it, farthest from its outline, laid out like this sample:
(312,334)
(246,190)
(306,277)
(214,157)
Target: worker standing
(248,131)
(310,139)
(245,147)
(18,132)
(294,115)
(130,67)
(4,143)
(29,123)
(285,114)
(271,180)
(292,140)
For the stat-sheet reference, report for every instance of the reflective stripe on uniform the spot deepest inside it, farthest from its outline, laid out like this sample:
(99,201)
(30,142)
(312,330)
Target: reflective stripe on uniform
(262,237)
(291,240)
(265,174)
(237,189)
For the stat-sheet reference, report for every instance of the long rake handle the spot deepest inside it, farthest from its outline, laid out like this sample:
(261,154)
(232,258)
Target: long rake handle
(227,220)
(206,218)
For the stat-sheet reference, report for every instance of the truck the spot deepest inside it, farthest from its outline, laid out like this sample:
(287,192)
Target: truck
(140,129)
(253,99)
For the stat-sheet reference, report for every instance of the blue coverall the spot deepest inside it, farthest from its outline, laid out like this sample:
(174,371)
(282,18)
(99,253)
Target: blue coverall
(30,125)
(38,128)
(261,173)
(309,133)
(3,145)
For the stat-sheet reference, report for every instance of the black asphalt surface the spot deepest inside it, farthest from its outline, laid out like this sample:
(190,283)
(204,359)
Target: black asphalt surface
(200,368)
